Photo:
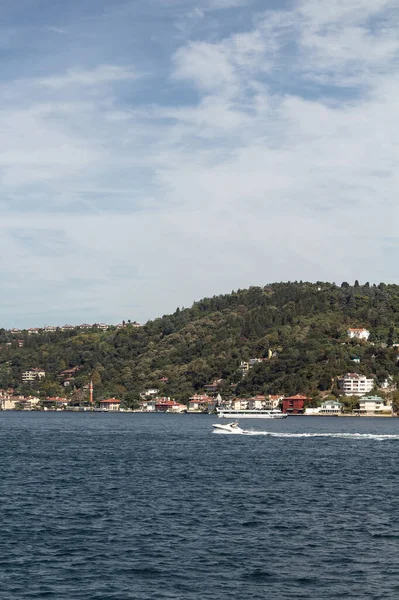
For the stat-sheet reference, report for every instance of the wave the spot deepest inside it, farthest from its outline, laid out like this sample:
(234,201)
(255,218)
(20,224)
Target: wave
(348,436)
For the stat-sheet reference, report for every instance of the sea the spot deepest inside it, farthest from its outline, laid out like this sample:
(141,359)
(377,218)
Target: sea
(102,506)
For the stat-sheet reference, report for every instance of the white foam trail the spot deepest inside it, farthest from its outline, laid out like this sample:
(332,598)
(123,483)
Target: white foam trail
(348,436)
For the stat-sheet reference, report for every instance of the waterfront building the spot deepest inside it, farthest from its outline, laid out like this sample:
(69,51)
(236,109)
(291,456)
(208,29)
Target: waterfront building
(200,402)
(373,405)
(256,403)
(330,407)
(294,405)
(167,405)
(273,401)
(148,405)
(111,404)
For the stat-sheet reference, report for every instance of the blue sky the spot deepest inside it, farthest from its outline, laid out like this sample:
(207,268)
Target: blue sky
(154,152)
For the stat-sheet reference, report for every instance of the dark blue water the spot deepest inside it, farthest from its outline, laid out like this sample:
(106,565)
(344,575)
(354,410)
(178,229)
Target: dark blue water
(104,506)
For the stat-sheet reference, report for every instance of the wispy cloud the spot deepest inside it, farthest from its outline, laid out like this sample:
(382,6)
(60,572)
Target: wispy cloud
(102,74)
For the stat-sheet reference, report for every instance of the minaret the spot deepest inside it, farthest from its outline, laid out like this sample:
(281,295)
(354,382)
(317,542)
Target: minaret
(91,391)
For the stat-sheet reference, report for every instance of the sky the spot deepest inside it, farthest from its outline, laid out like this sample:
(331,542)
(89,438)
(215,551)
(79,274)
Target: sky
(155,152)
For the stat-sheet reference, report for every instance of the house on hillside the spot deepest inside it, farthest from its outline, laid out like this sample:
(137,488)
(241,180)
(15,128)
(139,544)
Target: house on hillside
(149,393)
(359,333)
(33,374)
(353,384)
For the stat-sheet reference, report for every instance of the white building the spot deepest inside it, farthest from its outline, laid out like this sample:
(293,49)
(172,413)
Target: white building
(7,403)
(328,407)
(273,401)
(148,405)
(240,404)
(331,407)
(149,393)
(111,404)
(33,374)
(373,405)
(256,403)
(200,402)
(359,333)
(353,384)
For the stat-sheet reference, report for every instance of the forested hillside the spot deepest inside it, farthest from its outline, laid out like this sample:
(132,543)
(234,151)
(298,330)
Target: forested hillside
(299,328)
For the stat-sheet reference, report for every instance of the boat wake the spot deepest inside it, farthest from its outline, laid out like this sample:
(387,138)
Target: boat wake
(347,436)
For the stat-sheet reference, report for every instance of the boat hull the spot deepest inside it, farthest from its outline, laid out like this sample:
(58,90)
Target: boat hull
(227,429)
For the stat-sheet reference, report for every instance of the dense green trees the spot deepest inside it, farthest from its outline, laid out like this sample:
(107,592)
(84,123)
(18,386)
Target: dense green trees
(299,328)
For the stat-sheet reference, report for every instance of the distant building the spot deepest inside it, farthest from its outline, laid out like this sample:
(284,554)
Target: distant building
(353,384)
(149,393)
(55,402)
(112,404)
(294,405)
(33,374)
(246,366)
(167,405)
(6,401)
(373,405)
(256,403)
(200,402)
(148,405)
(240,403)
(359,333)
(213,388)
(331,407)
(273,401)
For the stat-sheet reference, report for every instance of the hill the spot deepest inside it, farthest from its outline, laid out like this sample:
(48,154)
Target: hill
(299,329)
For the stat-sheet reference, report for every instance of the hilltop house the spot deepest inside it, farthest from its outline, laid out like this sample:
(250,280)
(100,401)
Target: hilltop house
(359,333)
(353,384)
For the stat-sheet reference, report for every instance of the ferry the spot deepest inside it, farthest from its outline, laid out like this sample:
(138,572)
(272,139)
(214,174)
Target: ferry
(230,413)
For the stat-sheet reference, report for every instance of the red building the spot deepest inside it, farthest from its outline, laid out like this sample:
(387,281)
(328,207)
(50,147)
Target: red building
(294,405)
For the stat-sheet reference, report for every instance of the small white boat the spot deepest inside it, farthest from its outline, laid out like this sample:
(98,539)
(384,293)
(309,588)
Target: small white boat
(229,428)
